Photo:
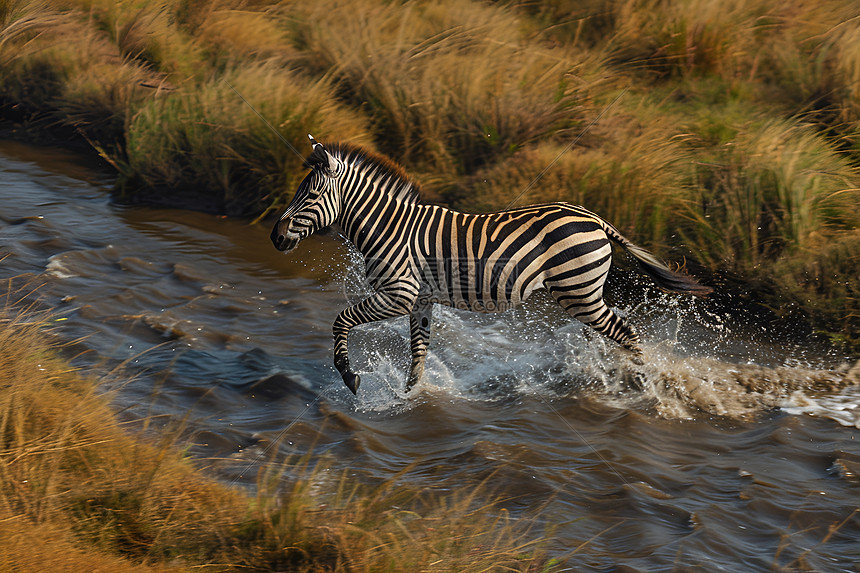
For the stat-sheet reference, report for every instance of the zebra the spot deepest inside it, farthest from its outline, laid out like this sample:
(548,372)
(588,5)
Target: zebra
(417,255)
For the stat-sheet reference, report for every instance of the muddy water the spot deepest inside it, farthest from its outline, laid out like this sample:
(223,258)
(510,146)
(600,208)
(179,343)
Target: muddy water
(728,449)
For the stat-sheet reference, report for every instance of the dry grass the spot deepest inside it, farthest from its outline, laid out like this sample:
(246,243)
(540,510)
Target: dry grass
(234,34)
(73,477)
(450,86)
(736,144)
(779,187)
(635,174)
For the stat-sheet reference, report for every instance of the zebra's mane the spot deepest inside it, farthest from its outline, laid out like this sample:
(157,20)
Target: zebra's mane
(393,178)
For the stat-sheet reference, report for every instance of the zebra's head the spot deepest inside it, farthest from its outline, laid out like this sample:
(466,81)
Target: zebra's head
(316,203)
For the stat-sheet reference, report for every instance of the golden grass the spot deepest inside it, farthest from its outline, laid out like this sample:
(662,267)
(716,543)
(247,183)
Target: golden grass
(147,32)
(71,475)
(736,143)
(633,173)
(450,86)
(780,186)
(242,34)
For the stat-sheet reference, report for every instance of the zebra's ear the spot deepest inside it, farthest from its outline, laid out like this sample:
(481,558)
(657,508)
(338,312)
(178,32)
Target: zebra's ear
(320,158)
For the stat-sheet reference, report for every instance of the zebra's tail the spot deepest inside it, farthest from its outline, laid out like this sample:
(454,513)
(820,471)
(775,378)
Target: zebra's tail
(662,275)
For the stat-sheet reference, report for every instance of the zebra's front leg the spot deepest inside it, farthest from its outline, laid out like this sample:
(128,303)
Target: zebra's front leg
(419,337)
(378,306)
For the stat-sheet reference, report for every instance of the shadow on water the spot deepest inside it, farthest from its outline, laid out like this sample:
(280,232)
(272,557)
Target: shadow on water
(731,446)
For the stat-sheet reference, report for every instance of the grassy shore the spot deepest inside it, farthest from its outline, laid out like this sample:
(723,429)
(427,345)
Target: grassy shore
(724,133)
(80,492)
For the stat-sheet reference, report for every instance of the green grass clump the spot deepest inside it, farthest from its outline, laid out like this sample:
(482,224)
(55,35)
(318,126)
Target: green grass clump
(209,140)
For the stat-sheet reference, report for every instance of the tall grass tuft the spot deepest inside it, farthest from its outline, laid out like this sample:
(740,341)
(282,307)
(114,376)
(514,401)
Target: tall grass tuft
(72,478)
(451,87)
(209,140)
(148,33)
(236,34)
(776,188)
(822,275)
(72,75)
(633,173)
(385,527)
(20,22)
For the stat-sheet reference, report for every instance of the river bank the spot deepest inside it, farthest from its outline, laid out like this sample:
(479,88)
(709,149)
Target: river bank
(726,138)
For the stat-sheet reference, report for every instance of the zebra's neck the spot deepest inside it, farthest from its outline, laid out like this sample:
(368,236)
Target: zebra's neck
(377,210)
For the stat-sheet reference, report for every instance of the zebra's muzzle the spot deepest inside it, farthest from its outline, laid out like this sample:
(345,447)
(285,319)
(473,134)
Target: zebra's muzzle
(282,237)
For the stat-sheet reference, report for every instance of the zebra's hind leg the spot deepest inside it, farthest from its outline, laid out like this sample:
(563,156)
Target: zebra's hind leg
(601,318)
(419,337)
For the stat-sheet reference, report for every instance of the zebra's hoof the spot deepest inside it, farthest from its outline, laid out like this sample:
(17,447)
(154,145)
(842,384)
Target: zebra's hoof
(634,354)
(352,381)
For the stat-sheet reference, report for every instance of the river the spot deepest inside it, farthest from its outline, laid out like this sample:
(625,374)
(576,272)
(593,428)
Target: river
(729,449)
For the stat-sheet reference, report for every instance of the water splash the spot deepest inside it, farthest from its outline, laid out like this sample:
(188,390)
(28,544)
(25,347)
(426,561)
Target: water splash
(694,364)
(844,406)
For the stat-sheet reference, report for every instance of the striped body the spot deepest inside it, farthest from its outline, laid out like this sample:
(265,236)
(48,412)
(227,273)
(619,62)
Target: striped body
(417,255)
(489,262)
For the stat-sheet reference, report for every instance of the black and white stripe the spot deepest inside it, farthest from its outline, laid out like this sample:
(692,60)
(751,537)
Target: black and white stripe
(417,255)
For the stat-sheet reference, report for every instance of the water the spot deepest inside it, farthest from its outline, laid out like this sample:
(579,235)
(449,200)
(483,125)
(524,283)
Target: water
(732,448)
